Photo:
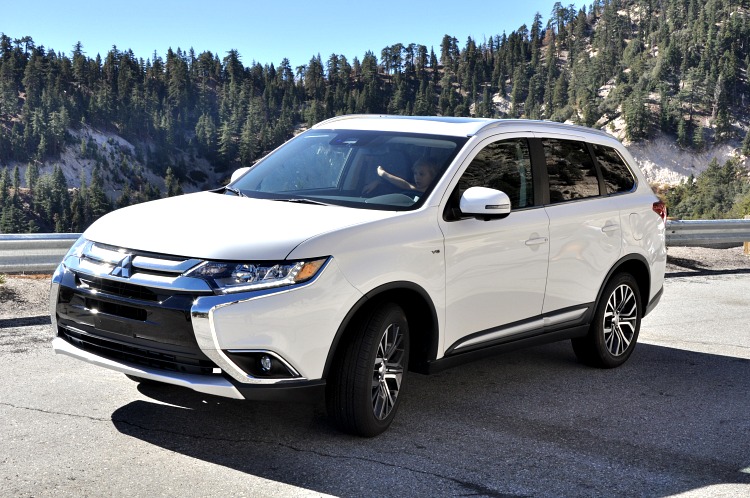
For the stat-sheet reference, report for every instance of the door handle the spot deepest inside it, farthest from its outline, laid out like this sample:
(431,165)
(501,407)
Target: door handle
(537,241)
(610,228)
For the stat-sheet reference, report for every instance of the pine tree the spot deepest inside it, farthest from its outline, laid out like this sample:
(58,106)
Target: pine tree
(746,144)
(227,145)
(78,212)
(32,175)
(682,133)
(699,140)
(98,203)
(172,184)
(9,101)
(636,117)
(125,199)
(4,184)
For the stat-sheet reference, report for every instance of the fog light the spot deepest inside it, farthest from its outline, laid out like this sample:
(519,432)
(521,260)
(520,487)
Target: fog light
(265,363)
(261,364)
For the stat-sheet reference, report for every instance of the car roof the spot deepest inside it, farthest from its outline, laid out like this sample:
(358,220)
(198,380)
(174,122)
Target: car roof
(450,126)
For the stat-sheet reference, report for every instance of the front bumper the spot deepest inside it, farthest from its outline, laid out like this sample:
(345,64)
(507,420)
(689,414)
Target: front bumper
(215,385)
(194,340)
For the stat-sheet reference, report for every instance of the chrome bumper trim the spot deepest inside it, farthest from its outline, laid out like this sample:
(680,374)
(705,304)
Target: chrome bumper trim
(202,315)
(205,334)
(217,386)
(54,288)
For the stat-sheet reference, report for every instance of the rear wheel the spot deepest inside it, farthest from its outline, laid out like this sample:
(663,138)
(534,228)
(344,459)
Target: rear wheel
(364,387)
(614,330)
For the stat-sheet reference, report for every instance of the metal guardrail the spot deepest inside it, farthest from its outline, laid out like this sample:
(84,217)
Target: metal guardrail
(33,252)
(707,232)
(41,252)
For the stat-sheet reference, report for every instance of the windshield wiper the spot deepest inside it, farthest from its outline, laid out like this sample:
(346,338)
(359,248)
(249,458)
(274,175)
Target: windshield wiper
(235,191)
(302,200)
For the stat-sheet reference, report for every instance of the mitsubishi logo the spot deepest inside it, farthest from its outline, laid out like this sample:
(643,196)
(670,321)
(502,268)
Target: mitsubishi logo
(123,268)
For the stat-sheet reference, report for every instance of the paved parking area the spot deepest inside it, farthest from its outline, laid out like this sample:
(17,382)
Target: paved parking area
(673,420)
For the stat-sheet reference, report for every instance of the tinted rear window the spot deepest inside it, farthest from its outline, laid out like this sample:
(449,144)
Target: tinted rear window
(571,171)
(617,175)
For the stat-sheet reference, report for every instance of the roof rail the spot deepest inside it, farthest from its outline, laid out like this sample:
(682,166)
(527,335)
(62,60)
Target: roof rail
(488,123)
(547,124)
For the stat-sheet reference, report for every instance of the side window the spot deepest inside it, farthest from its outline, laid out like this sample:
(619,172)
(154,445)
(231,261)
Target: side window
(505,166)
(617,175)
(571,171)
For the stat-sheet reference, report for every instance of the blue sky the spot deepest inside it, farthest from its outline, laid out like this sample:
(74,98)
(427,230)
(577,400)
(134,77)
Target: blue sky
(266,31)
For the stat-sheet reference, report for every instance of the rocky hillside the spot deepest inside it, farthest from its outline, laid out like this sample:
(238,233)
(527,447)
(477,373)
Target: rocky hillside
(669,78)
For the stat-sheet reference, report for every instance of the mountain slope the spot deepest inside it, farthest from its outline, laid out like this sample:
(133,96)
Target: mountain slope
(667,77)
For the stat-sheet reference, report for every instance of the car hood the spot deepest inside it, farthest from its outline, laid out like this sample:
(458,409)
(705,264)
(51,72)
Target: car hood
(208,225)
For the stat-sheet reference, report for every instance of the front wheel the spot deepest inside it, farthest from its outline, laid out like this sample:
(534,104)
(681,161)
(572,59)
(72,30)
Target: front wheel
(363,390)
(614,330)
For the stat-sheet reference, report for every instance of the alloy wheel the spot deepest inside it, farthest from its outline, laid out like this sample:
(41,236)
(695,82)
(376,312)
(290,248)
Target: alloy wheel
(388,371)
(620,320)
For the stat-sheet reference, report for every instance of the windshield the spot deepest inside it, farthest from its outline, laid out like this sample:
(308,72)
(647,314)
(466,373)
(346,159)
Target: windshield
(363,169)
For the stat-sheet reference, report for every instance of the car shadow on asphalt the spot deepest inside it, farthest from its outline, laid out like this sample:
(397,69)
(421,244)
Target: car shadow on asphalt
(696,268)
(26,321)
(706,273)
(532,422)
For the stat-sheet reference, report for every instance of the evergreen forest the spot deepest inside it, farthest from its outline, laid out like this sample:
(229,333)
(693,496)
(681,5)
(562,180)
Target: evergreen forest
(675,68)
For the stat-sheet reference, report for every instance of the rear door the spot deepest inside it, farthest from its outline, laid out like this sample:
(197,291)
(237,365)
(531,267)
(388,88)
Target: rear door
(585,229)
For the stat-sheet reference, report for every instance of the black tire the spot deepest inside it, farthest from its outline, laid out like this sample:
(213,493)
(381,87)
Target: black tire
(362,392)
(614,330)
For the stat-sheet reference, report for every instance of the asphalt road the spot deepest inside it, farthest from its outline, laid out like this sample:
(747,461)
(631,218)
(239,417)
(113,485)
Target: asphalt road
(674,420)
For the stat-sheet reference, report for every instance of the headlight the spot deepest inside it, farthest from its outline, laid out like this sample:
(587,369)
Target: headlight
(228,277)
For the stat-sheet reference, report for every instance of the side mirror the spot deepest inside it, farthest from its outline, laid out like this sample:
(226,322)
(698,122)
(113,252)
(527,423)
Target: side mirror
(485,203)
(238,173)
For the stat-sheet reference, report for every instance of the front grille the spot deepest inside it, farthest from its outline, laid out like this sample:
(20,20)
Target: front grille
(132,306)
(164,360)
(116,309)
(116,288)
(133,274)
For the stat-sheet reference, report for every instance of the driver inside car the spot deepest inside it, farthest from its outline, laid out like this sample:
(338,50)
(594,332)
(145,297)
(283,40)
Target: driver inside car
(424,172)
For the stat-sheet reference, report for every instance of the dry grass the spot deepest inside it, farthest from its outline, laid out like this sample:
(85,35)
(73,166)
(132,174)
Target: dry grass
(31,276)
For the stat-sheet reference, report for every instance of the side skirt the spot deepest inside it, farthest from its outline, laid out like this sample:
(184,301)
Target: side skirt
(553,327)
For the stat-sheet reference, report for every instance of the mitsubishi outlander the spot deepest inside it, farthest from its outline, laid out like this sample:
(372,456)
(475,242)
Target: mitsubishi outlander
(365,249)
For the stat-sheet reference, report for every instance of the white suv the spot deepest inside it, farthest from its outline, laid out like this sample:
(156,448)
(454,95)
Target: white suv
(366,247)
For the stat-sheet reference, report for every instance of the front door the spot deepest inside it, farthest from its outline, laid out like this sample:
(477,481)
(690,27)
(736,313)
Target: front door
(496,270)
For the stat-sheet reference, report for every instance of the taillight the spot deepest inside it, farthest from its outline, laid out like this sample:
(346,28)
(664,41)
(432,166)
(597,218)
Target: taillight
(661,209)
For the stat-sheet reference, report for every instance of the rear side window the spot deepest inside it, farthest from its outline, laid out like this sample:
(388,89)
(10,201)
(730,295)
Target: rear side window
(617,176)
(571,171)
(505,166)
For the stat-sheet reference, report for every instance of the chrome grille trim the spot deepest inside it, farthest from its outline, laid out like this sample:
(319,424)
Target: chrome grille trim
(90,267)
(96,252)
(147,270)
(173,284)
(164,265)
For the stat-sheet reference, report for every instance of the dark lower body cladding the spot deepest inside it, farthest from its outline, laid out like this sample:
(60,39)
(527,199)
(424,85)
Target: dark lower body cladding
(154,333)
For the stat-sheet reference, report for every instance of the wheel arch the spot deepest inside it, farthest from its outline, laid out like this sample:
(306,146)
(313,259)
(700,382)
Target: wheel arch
(420,314)
(637,266)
